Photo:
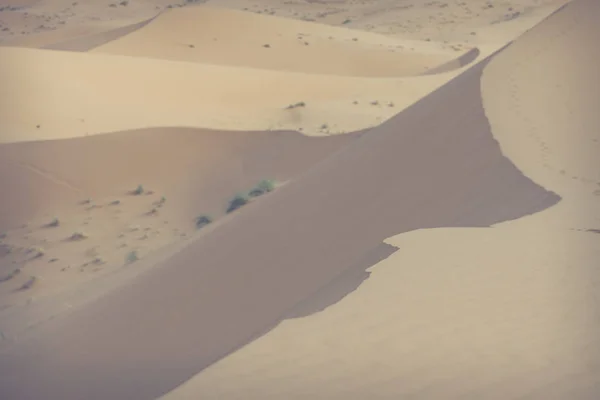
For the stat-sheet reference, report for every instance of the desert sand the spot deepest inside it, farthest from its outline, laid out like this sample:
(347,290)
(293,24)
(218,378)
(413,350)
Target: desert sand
(429,228)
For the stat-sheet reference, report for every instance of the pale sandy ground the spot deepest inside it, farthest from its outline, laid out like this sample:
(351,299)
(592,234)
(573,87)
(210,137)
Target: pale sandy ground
(170,83)
(186,94)
(222,96)
(497,313)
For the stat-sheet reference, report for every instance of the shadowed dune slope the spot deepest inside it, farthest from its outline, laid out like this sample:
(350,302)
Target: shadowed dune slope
(199,170)
(435,164)
(232,37)
(90,41)
(542,99)
(463,313)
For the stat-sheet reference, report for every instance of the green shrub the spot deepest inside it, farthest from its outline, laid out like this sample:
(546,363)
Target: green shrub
(264,186)
(238,201)
(139,190)
(54,223)
(203,220)
(131,257)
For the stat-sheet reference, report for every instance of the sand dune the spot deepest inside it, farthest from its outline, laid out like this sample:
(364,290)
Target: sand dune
(238,38)
(82,90)
(409,259)
(437,320)
(54,174)
(538,99)
(312,230)
(498,313)
(186,173)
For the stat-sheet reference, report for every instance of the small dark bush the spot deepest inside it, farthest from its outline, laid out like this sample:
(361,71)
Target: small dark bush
(238,201)
(202,221)
(264,186)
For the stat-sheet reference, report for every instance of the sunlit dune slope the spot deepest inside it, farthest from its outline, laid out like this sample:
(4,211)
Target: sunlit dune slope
(238,38)
(54,94)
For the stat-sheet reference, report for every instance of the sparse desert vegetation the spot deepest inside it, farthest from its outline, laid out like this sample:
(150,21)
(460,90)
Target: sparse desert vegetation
(10,275)
(131,257)
(263,187)
(54,223)
(241,199)
(238,201)
(77,236)
(32,281)
(203,220)
(296,105)
(36,252)
(138,190)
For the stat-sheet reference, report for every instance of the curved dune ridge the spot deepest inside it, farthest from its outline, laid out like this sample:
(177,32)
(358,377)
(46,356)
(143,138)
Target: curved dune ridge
(311,231)
(501,313)
(196,171)
(66,94)
(538,99)
(196,168)
(237,38)
(448,252)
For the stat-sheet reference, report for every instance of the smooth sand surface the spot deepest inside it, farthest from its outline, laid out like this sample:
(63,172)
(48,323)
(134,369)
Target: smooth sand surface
(307,238)
(169,93)
(232,37)
(469,313)
(413,259)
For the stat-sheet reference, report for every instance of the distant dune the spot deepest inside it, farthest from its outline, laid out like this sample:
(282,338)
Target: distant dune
(93,93)
(95,39)
(238,38)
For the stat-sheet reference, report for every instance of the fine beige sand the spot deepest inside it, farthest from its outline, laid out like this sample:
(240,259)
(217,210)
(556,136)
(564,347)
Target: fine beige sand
(495,313)
(432,232)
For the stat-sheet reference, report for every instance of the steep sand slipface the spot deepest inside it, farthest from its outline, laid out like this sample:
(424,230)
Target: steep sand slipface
(238,38)
(85,183)
(414,171)
(500,313)
(540,98)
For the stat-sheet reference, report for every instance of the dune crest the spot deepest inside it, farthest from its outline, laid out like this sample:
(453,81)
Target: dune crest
(470,313)
(237,38)
(81,89)
(539,102)
(172,229)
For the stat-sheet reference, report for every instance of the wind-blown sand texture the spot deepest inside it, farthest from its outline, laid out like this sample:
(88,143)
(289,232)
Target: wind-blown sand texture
(442,244)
